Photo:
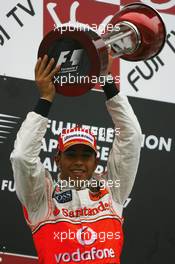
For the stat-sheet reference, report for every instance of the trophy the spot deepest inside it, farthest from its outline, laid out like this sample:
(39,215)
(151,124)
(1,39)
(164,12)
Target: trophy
(137,32)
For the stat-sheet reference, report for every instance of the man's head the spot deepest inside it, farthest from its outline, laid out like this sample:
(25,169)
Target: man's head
(76,156)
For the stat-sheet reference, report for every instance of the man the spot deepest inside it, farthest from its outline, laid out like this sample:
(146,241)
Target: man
(79,219)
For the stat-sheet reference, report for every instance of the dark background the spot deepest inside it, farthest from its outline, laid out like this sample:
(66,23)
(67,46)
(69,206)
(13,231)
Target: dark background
(149,217)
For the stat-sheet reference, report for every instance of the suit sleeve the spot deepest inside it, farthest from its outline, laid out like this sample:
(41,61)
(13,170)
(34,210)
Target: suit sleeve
(29,172)
(125,153)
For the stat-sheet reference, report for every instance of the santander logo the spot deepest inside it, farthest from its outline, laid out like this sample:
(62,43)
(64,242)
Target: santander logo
(86,211)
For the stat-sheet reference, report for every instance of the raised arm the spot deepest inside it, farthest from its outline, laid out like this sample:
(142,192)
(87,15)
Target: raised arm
(29,173)
(125,153)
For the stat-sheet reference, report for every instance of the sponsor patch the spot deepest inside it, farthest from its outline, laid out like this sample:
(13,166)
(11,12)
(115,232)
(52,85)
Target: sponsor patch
(63,197)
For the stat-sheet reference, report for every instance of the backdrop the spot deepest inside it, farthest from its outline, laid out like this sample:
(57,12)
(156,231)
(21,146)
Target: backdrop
(149,215)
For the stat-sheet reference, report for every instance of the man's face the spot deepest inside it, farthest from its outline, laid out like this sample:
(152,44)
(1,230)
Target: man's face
(77,163)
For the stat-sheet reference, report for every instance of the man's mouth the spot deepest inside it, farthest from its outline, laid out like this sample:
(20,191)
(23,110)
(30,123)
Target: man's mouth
(78,171)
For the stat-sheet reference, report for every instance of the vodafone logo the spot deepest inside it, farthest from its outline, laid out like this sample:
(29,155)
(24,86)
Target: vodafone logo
(86,236)
(88,255)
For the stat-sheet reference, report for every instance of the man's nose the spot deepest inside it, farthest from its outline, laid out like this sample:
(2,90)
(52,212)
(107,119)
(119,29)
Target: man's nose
(78,159)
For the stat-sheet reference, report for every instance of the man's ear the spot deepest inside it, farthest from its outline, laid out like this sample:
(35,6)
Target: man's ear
(57,158)
(96,162)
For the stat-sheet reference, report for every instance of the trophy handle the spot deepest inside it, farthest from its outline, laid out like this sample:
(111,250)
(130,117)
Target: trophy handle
(138,33)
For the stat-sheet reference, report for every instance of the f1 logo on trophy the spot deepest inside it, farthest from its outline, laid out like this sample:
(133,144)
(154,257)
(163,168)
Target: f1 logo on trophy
(137,32)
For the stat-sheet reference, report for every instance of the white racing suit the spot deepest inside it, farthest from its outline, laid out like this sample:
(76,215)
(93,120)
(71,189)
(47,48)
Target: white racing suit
(69,225)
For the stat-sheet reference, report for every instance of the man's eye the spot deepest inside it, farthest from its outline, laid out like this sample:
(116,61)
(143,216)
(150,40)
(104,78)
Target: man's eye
(87,154)
(70,153)
(73,154)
